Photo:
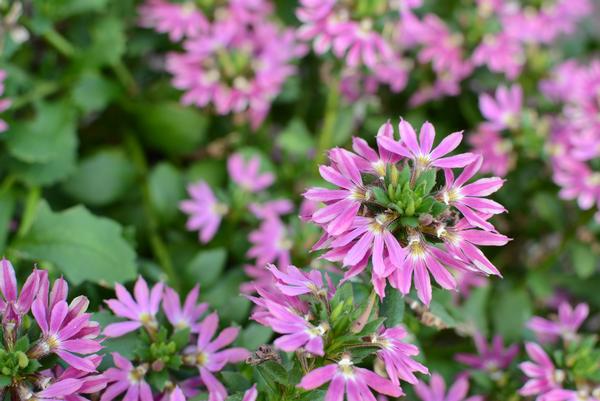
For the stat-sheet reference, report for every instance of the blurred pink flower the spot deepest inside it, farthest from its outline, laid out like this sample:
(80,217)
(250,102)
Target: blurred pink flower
(270,243)
(564,326)
(497,152)
(246,173)
(503,111)
(179,20)
(436,391)
(204,209)
(541,373)
(4,103)
(493,358)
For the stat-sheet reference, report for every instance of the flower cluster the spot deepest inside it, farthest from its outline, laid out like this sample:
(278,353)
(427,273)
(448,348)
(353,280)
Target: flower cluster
(331,336)
(28,368)
(389,209)
(177,354)
(234,57)
(571,374)
(576,132)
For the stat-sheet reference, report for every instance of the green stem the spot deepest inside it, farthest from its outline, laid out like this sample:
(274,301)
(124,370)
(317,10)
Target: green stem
(31,203)
(159,248)
(40,91)
(59,42)
(126,78)
(332,107)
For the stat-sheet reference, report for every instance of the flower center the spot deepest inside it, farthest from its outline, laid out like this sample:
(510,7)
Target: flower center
(346,367)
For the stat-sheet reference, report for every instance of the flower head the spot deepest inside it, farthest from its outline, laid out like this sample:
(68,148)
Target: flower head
(126,378)
(436,391)
(186,315)
(140,312)
(564,326)
(247,175)
(504,111)
(492,358)
(542,375)
(205,211)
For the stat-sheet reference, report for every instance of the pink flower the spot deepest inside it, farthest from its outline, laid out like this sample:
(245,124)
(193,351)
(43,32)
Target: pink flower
(500,53)
(178,20)
(469,198)
(371,236)
(15,305)
(298,332)
(251,394)
(270,243)
(492,358)
(462,240)
(565,325)
(421,152)
(542,376)
(272,208)
(88,383)
(295,282)
(341,204)
(205,211)
(396,355)
(210,357)
(66,329)
(4,103)
(436,391)
(128,379)
(421,260)
(348,379)
(235,67)
(504,111)
(140,312)
(246,175)
(186,316)
(497,152)
(375,162)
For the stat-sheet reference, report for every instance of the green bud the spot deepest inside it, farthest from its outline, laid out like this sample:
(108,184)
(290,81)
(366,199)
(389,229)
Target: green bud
(22,359)
(410,207)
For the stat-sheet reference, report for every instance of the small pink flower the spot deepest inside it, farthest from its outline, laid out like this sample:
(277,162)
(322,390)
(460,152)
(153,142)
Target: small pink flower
(396,355)
(295,282)
(436,391)
(504,111)
(186,316)
(297,331)
(205,211)
(564,326)
(246,174)
(178,20)
(469,198)
(492,358)
(66,330)
(421,152)
(128,379)
(497,152)
(500,53)
(209,356)
(15,305)
(270,243)
(542,376)
(347,379)
(140,312)
(272,208)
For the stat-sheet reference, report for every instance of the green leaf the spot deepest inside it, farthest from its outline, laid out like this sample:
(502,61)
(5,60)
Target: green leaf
(44,138)
(392,307)
(81,245)
(7,208)
(206,267)
(92,92)
(158,380)
(273,372)
(166,190)
(61,9)
(225,297)
(4,381)
(255,335)
(474,309)
(170,127)
(102,178)
(295,139)
(512,309)
(108,42)
(584,259)
(235,381)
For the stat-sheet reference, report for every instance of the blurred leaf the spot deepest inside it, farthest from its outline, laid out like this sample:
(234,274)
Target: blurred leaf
(170,127)
(255,335)
(7,208)
(102,178)
(108,42)
(512,308)
(93,92)
(392,307)
(166,190)
(81,245)
(295,139)
(46,137)
(225,297)
(235,381)
(584,259)
(207,266)
(474,309)
(60,9)
(211,171)
(343,126)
